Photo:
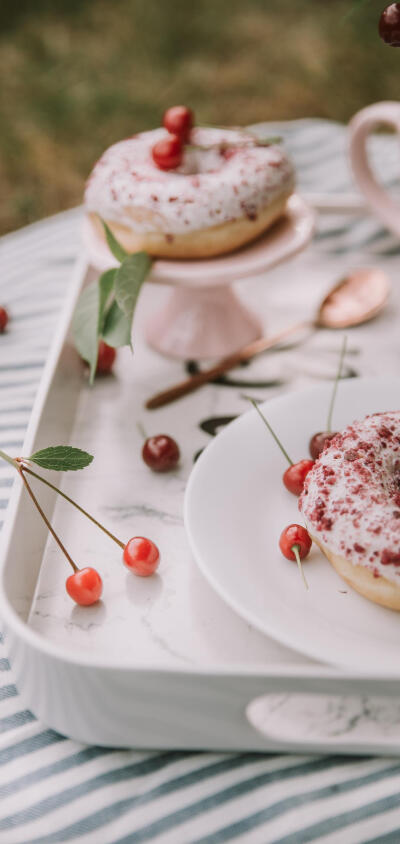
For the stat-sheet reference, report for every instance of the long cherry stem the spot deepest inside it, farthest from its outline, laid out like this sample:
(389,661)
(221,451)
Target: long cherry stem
(46,521)
(9,459)
(296,548)
(141,430)
(335,386)
(74,504)
(277,440)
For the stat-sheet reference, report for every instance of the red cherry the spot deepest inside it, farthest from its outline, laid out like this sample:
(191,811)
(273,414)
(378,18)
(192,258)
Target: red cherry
(161,453)
(322,438)
(84,586)
(295,535)
(179,121)
(319,441)
(167,153)
(105,359)
(141,556)
(296,474)
(3,318)
(229,152)
(389,25)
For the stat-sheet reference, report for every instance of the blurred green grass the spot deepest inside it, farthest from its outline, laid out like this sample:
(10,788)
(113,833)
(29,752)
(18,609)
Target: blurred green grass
(78,75)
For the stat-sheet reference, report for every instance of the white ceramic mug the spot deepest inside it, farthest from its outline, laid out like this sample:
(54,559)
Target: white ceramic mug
(361,125)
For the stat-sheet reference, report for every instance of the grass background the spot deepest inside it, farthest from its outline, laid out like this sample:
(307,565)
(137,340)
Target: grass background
(78,75)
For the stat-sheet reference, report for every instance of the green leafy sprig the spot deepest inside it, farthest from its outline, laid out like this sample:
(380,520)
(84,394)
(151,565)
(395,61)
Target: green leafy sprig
(58,458)
(61,458)
(106,307)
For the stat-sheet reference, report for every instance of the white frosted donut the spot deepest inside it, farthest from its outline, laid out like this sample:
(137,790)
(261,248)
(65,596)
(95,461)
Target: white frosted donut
(351,505)
(217,200)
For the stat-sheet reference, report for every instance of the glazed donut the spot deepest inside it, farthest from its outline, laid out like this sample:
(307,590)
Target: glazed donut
(225,193)
(351,506)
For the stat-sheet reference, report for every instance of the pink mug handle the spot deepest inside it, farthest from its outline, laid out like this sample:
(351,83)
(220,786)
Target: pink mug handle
(361,125)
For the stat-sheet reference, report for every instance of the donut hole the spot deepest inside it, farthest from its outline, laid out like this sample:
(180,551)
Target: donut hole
(211,152)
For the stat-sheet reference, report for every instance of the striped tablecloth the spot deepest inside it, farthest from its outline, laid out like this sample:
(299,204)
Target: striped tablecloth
(53,789)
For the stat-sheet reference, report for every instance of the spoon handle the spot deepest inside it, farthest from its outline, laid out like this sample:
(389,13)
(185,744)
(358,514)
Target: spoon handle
(224,365)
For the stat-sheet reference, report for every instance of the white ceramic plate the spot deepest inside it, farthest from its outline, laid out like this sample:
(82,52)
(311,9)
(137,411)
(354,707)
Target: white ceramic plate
(236,507)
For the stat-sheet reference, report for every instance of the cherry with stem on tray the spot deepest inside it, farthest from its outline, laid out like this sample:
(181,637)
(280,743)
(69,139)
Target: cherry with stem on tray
(295,543)
(105,358)
(3,318)
(161,453)
(294,477)
(88,515)
(141,556)
(85,585)
(322,438)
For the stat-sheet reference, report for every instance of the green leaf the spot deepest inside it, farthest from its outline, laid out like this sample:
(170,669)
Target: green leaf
(89,317)
(116,329)
(267,142)
(128,281)
(85,322)
(106,284)
(117,250)
(61,458)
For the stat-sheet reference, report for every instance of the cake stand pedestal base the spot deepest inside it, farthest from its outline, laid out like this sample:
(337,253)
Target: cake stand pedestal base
(203,318)
(199,323)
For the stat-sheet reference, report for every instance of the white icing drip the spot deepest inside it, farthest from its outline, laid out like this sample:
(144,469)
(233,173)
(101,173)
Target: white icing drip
(207,190)
(360,504)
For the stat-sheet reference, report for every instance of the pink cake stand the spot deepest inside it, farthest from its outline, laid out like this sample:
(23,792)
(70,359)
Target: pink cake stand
(203,318)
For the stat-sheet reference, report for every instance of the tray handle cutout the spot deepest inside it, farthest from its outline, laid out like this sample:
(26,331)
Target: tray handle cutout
(320,722)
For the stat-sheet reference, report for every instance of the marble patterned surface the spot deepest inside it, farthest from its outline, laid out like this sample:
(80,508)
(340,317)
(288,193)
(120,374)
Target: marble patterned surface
(174,618)
(330,719)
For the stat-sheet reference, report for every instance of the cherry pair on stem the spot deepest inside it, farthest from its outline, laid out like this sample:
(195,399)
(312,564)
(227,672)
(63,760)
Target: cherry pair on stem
(167,153)
(84,586)
(295,542)
(322,438)
(294,477)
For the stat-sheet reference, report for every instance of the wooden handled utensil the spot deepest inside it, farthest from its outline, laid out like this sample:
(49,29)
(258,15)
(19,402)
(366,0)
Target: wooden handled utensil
(357,298)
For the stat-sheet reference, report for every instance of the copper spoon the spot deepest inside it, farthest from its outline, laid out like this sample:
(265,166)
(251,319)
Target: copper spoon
(357,298)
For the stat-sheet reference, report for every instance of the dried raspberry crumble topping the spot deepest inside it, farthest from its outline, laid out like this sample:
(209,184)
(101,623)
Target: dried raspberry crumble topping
(212,180)
(351,498)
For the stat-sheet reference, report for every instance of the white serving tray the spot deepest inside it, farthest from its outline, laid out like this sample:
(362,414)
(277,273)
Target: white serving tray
(162,663)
